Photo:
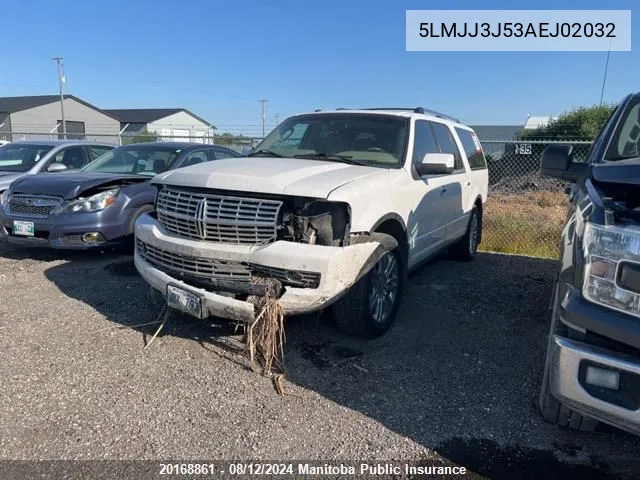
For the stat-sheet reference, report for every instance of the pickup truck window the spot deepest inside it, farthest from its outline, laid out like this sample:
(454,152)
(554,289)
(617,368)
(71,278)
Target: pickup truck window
(626,139)
(472,149)
(447,143)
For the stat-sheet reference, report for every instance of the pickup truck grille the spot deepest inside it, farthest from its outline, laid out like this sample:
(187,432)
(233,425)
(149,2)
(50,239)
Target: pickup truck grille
(32,206)
(218,218)
(171,262)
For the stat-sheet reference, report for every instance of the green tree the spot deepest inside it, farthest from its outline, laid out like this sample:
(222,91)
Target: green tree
(583,123)
(144,136)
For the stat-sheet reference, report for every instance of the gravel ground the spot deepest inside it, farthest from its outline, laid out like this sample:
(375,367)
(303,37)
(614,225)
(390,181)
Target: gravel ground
(455,380)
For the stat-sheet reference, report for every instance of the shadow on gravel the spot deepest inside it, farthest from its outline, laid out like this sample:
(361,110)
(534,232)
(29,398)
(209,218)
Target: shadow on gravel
(15,252)
(458,374)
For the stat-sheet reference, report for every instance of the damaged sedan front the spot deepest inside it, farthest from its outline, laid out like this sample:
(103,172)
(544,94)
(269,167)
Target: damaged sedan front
(94,207)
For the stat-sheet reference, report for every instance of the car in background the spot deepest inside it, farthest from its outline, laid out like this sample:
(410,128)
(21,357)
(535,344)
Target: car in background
(18,159)
(96,206)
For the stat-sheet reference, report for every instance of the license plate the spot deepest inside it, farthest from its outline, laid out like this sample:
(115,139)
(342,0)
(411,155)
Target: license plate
(185,301)
(26,229)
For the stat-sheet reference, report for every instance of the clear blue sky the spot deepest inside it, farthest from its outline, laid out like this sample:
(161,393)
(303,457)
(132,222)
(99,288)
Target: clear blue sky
(218,58)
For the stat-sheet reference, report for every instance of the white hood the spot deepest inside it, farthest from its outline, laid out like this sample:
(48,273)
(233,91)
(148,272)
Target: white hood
(289,176)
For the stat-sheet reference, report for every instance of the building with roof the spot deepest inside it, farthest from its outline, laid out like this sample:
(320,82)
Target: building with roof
(34,117)
(177,124)
(534,122)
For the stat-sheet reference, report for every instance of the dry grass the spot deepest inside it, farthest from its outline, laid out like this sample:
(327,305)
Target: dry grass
(529,223)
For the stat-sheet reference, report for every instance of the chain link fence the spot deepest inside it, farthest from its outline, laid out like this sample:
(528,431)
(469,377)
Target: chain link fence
(525,211)
(239,143)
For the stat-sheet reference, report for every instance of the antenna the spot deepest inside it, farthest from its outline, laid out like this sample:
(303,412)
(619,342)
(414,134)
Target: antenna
(606,67)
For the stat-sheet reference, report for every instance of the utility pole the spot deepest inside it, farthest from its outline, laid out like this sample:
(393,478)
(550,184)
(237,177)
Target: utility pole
(61,80)
(277,117)
(264,103)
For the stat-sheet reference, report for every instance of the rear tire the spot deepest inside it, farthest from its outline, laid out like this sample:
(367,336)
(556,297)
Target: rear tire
(466,248)
(371,305)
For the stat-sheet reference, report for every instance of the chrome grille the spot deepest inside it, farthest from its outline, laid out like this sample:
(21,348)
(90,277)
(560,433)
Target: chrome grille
(200,267)
(218,218)
(219,269)
(34,206)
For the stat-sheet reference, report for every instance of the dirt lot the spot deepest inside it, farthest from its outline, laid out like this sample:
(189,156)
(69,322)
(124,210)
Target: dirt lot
(455,379)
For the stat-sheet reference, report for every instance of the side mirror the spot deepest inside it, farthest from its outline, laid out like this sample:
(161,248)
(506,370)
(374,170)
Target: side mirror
(557,161)
(56,167)
(436,164)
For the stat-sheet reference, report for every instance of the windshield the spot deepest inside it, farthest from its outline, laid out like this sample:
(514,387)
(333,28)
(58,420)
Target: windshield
(626,139)
(373,140)
(134,160)
(15,157)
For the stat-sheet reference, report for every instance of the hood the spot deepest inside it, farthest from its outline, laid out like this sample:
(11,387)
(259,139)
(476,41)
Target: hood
(69,185)
(7,177)
(288,176)
(621,171)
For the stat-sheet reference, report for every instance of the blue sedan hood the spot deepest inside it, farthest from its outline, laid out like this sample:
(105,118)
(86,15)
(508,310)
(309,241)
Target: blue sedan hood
(70,185)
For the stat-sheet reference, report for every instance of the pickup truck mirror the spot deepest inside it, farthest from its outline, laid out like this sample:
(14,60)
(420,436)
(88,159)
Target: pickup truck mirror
(436,164)
(56,167)
(557,161)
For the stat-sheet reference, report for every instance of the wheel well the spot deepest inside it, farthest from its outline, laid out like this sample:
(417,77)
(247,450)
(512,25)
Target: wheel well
(396,230)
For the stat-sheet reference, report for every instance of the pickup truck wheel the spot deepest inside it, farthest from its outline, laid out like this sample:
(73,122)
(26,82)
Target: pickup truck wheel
(370,307)
(466,248)
(555,412)
(552,410)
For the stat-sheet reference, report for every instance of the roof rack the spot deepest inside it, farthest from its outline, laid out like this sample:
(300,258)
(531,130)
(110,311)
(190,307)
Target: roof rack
(419,110)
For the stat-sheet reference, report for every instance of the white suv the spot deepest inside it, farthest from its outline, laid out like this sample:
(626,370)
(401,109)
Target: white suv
(335,207)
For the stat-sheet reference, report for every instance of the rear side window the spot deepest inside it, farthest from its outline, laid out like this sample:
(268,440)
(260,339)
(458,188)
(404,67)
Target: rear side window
(447,143)
(472,148)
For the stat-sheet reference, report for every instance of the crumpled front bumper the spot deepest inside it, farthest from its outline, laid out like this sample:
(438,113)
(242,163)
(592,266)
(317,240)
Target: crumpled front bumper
(339,268)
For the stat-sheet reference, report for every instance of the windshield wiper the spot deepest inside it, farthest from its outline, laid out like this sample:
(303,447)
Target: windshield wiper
(265,152)
(331,157)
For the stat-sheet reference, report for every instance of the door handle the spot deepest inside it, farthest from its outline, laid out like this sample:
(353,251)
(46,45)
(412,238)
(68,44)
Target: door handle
(443,190)
(468,184)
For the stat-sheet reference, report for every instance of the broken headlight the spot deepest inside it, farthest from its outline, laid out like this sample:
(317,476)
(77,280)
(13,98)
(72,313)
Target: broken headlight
(319,223)
(94,203)
(612,271)
(4,198)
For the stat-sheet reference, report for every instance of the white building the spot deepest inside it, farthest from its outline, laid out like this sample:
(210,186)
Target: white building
(178,124)
(535,122)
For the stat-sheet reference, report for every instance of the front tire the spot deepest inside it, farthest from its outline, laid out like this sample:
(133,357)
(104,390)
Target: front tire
(371,305)
(552,410)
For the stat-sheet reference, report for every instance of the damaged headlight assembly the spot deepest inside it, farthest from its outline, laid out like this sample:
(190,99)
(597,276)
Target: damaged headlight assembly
(612,268)
(317,222)
(4,198)
(94,203)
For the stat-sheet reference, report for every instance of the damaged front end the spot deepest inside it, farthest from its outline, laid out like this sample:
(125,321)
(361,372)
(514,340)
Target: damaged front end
(311,260)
